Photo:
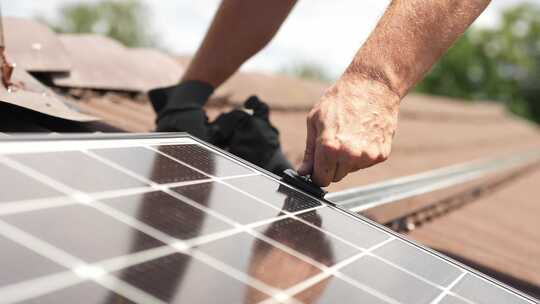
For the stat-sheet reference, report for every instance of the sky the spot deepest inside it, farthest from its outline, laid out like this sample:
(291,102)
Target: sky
(321,32)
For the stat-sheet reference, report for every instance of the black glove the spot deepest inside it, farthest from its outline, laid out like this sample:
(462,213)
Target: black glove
(180,108)
(251,137)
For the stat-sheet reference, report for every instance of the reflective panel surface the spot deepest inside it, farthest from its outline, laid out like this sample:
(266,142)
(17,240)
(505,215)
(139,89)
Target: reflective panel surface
(13,179)
(13,270)
(419,262)
(481,291)
(262,261)
(274,193)
(180,278)
(228,202)
(84,293)
(158,220)
(391,281)
(452,300)
(83,232)
(308,241)
(345,227)
(205,160)
(335,290)
(168,214)
(150,165)
(78,171)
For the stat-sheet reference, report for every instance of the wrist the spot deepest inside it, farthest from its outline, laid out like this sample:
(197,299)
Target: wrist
(187,94)
(365,89)
(380,73)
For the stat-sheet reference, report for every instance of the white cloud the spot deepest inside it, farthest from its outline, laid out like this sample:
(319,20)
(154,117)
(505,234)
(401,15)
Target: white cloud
(319,31)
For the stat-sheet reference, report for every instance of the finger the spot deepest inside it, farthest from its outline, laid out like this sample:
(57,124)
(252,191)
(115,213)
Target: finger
(309,154)
(324,168)
(366,160)
(343,168)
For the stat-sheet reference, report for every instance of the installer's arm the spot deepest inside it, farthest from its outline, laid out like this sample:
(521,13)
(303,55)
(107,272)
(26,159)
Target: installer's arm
(240,30)
(352,126)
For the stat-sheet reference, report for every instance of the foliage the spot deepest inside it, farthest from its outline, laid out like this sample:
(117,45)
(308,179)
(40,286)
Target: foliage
(500,64)
(124,20)
(309,71)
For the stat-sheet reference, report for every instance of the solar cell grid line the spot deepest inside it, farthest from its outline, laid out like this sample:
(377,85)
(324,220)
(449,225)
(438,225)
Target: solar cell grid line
(37,287)
(227,181)
(388,261)
(117,263)
(448,288)
(38,204)
(91,176)
(300,287)
(254,233)
(32,205)
(411,273)
(174,194)
(65,259)
(229,271)
(217,166)
(369,252)
(64,189)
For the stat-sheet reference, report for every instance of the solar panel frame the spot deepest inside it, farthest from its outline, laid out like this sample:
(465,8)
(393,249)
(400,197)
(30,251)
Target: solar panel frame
(27,143)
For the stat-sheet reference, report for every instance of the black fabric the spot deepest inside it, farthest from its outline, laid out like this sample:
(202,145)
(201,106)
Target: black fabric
(249,136)
(180,108)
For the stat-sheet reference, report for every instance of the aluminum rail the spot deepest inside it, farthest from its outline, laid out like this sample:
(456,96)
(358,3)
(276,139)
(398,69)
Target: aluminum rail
(374,195)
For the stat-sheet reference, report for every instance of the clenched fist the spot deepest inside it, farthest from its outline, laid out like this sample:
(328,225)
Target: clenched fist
(351,128)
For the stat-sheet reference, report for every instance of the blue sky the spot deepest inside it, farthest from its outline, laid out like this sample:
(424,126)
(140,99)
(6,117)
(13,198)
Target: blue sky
(324,32)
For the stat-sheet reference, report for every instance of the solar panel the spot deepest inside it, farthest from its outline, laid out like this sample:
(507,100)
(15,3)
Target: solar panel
(168,219)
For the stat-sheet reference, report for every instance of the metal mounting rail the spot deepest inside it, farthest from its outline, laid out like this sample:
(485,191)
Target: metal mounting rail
(374,195)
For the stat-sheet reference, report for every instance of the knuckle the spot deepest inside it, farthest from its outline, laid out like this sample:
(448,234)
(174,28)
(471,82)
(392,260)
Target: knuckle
(354,154)
(330,146)
(374,155)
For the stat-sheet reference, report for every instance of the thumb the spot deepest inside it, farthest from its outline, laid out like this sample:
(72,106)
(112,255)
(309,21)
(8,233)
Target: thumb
(309,154)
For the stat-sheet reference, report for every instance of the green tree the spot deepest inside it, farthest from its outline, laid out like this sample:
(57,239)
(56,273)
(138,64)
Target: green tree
(500,64)
(127,21)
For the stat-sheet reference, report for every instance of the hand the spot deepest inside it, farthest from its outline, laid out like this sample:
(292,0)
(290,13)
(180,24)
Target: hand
(351,128)
(179,108)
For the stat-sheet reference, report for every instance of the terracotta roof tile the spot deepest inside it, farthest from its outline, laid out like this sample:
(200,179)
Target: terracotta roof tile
(34,47)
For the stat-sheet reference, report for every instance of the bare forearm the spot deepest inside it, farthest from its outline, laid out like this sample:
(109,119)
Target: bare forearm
(240,29)
(409,38)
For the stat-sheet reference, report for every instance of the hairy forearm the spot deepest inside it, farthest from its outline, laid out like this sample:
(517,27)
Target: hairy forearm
(409,39)
(239,30)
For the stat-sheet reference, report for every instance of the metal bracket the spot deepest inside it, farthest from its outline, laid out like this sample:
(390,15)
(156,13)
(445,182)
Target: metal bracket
(303,183)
